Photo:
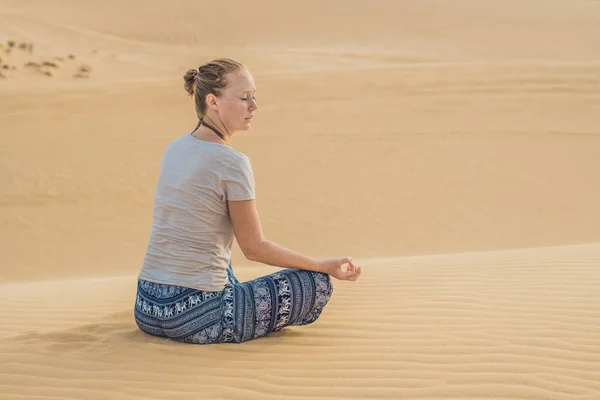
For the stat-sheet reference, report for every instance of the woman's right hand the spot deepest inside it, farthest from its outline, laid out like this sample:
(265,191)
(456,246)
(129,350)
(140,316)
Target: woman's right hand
(333,267)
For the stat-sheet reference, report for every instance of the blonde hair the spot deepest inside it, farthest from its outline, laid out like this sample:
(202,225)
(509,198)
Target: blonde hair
(206,79)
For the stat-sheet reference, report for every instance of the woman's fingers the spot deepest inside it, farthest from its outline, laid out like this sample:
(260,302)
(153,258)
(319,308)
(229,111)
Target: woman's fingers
(356,273)
(350,265)
(351,272)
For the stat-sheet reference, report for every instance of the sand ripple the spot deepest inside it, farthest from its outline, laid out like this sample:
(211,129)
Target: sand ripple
(519,324)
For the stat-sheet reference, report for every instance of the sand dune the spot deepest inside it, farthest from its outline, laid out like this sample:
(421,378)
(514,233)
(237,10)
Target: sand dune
(474,158)
(424,138)
(519,324)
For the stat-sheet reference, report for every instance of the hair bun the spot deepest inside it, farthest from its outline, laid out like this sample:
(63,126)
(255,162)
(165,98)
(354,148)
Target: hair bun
(190,78)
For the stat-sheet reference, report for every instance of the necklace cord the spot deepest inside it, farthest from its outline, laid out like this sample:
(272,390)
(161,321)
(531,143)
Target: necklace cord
(219,134)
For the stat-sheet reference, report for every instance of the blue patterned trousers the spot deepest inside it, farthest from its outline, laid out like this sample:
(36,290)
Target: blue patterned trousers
(242,311)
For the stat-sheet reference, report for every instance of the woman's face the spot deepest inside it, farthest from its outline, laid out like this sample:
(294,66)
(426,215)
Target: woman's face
(237,103)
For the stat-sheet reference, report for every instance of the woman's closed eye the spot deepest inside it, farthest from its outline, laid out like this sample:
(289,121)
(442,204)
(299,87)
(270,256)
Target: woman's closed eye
(245,98)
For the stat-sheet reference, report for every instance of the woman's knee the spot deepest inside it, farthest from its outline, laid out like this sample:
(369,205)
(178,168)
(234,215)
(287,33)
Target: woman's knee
(323,291)
(322,280)
(323,284)
(329,286)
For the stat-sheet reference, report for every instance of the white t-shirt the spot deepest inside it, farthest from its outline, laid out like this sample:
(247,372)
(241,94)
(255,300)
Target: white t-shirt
(190,243)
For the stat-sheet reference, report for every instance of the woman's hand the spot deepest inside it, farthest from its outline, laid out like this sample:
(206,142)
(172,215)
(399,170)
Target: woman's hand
(333,267)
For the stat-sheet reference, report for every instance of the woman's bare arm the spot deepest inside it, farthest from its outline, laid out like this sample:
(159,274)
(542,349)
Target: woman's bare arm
(249,235)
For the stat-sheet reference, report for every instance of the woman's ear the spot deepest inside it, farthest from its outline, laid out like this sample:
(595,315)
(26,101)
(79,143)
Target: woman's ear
(211,101)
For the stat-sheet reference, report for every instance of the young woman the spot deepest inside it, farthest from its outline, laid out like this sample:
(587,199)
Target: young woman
(205,194)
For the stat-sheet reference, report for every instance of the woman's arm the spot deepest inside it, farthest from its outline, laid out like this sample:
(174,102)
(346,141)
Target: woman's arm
(249,235)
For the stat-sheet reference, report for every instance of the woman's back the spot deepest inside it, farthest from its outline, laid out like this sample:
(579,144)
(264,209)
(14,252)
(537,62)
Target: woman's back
(190,243)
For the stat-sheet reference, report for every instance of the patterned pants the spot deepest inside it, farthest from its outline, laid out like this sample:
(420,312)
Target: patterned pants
(242,311)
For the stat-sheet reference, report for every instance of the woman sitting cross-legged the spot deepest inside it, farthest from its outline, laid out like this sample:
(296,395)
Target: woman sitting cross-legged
(205,194)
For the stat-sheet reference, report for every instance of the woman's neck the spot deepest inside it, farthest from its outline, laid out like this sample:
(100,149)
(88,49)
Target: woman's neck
(206,134)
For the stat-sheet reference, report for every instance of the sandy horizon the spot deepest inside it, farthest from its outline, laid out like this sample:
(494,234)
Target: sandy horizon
(451,148)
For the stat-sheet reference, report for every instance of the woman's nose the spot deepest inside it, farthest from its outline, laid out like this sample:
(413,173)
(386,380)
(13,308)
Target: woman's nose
(253,105)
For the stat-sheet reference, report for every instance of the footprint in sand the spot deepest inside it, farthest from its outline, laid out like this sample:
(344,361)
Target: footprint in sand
(26,46)
(39,67)
(47,66)
(83,72)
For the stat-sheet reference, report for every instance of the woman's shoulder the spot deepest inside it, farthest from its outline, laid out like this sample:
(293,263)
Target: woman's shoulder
(212,145)
(222,156)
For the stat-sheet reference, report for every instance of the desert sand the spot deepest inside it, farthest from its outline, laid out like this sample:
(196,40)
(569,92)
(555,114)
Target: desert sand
(452,148)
